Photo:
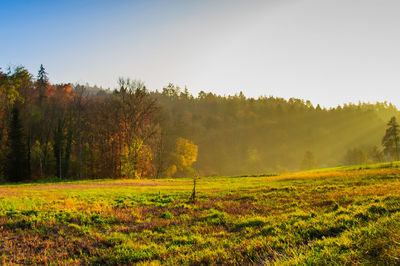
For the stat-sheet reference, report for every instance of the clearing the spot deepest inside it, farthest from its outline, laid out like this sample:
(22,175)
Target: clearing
(340,215)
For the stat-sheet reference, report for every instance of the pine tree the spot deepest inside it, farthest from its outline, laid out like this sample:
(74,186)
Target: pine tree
(391,139)
(42,82)
(17,159)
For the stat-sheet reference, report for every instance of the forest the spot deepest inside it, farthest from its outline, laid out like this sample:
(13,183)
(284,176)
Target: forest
(77,131)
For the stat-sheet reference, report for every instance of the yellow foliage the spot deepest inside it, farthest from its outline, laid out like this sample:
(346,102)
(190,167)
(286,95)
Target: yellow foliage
(134,159)
(186,152)
(185,155)
(170,171)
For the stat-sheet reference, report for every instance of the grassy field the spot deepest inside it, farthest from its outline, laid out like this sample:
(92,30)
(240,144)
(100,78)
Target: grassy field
(332,216)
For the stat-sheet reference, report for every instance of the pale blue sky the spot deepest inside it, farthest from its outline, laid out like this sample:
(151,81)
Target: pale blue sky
(328,51)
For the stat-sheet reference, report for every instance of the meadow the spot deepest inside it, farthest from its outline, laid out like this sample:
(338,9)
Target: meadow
(330,216)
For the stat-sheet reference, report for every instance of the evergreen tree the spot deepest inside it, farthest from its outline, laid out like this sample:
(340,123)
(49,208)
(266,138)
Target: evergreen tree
(391,139)
(17,159)
(42,82)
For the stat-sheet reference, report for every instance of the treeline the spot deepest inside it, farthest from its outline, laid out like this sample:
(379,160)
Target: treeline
(74,132)
(239,135)
(78,131)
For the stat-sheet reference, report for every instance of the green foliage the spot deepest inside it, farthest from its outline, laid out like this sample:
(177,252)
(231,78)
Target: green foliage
(167,215)
(252,222)
(216,217)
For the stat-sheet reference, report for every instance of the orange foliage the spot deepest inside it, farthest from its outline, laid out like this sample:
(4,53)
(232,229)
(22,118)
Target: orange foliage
(60,91)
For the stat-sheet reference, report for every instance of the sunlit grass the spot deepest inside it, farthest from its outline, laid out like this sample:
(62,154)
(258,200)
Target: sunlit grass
(348,215)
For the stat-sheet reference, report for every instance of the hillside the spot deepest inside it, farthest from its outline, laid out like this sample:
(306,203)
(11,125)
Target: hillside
(341,216)
(239,135)
(84,132)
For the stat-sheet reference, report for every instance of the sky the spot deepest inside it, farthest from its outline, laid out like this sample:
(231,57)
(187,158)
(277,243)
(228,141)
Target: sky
(328,51)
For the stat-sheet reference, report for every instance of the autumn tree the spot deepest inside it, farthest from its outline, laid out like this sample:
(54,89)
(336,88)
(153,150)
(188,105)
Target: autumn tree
(391,139)
(135,160)
(133,132)
(135,112)
(185,155)
(120,131)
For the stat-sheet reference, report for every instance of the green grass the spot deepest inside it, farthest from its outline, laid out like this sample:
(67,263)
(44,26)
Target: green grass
(359,167)
(347,215)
